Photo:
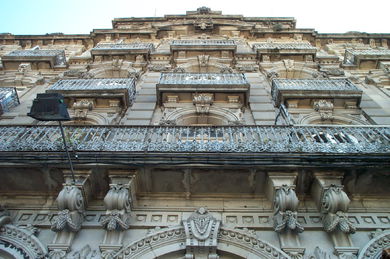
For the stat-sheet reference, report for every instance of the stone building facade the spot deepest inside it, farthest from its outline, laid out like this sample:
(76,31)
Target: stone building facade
(201,135)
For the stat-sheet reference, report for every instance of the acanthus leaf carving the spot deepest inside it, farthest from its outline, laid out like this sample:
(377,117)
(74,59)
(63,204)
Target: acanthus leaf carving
(325,109)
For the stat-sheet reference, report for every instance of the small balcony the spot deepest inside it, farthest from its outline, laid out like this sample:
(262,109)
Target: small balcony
(366,58)
(122,49)
(171,83)
(283,89)
(122,89)
(39,59)
(206,44)
(275,51)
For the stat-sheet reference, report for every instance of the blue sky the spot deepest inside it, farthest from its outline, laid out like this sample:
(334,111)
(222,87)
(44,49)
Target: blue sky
(82,16)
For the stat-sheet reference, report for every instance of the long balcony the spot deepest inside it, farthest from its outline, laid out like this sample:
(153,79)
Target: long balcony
(313,88)
(182,139)
(271,51)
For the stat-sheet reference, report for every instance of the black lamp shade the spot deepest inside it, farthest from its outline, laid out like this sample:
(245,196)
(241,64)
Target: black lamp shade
(49,107)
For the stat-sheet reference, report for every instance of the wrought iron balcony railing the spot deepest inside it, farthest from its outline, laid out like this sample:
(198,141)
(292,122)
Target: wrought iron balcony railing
(231,139)
(93,85)
(284,45)
(202,79)
(206,42)
(352,56)
(306,88)
(37,54)
(8,99)
(128,46)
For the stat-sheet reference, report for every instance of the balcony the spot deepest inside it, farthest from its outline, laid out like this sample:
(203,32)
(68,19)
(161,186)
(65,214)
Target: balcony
(202,83)
(123,88)
(299,51)
(366,58)
(122,49)
(53,58)
(224,139)
(8,99)
(206,44)
(283,89)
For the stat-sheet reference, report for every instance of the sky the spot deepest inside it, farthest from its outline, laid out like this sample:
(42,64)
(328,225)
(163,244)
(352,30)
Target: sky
(82,16)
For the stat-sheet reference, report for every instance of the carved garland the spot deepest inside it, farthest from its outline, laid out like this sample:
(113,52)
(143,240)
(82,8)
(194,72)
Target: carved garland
(374,248)
(22,240)
(226,238)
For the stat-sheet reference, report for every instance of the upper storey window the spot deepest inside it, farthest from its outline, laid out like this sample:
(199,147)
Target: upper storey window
(39,59)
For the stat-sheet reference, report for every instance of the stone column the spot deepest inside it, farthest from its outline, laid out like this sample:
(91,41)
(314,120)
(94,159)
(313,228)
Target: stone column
(333,202)
(71,203)
(118,202)
(281,191)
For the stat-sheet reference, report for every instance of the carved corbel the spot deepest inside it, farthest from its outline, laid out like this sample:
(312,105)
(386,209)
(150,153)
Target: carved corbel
(281,191)
(333,203)
(201,230)
(71,203)
(118,202)
(4,216)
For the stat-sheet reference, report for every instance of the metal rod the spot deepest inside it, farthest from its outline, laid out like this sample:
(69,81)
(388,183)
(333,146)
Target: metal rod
(67,153)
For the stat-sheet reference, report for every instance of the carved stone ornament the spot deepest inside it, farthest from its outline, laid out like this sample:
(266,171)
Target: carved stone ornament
(118,203)
(204,23)
(325,109)
(201,230)
(202,103)
(81,109)
(21,242)
(334,206)
(203,60)
(374,248)
(179,70)
(158,67)
(318,254)
(4,216)
(226,70)
(286,205)
(71,204)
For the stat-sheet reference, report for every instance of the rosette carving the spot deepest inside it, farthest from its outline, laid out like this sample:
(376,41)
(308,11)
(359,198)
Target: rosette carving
(286,205)
(118,204)
(334,206)
(71,204)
